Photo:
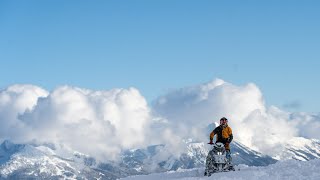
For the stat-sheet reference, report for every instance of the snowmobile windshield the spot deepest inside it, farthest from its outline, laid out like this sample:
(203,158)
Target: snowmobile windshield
(219,147)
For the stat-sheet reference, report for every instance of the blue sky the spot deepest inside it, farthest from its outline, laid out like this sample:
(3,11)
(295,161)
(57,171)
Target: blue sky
(157,46)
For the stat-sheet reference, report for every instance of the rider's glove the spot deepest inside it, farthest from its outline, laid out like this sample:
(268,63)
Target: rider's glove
(210,142)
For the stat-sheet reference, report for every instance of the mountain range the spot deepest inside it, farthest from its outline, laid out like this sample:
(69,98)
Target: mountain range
(46,161)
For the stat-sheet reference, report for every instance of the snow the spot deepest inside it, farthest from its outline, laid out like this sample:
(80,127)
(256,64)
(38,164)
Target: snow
(42,159)
(48,161)
(301,148)
(282,170)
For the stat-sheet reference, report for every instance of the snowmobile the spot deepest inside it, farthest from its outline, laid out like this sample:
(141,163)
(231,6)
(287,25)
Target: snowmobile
(217,160)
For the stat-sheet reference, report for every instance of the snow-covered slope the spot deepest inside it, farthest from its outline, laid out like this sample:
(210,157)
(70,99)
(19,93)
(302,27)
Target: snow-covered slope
(285,170)
(301,149)
(22,161)
(244,155)
(44,161)
(144,160)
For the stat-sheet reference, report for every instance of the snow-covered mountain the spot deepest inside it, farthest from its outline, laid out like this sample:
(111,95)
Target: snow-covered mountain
(290,169)
(194,157)
(44,161)
(23,161)
(301,149)
(244,155)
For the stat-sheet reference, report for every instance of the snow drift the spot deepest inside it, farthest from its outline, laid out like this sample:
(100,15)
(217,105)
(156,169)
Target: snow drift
(290,169)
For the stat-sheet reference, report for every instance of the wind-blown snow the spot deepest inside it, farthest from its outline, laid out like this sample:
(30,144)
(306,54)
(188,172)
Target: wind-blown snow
(285,170)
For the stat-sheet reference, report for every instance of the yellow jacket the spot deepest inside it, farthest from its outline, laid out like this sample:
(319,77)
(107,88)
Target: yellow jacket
(224,135)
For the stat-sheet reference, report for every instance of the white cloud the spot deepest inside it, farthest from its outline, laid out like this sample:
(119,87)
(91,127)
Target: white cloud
(16,100)
(99,123)
(204,104)
(308,124)
(263,128)
(103,123)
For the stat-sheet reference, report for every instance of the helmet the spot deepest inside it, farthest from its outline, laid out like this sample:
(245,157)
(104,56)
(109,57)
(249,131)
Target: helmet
(223,118)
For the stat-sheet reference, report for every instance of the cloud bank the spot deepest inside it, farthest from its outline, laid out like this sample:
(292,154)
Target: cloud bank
(99,123)
(103,123)
(262,128)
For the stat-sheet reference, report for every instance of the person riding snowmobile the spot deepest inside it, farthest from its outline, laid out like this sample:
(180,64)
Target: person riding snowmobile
(224,135)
